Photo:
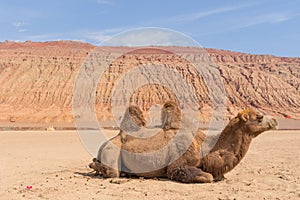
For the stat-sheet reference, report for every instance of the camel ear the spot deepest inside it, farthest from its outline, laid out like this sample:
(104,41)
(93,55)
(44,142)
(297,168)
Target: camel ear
(244,117)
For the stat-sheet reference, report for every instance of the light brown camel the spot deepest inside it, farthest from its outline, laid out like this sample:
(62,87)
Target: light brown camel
(188,167)
(108,161)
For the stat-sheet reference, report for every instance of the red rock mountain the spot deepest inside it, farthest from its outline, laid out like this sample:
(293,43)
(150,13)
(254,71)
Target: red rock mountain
(37,80)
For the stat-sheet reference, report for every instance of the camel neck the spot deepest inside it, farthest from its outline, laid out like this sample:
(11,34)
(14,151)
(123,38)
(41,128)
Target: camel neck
(236,142)
(242,145)
(231,147)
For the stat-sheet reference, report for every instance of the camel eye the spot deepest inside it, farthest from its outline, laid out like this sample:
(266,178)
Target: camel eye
(259,118)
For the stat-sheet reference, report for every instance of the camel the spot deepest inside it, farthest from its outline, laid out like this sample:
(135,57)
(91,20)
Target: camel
(50,128)
(189,166)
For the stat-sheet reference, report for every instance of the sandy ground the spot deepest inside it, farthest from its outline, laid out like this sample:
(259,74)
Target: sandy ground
(55,165)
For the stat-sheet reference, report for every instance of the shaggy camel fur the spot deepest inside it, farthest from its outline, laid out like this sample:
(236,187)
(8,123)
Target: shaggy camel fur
(179,163)
(232,144)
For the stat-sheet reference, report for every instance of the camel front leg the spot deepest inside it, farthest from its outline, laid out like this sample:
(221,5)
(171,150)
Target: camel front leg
(188,174)
(218,163)
(105,171)
(110,161)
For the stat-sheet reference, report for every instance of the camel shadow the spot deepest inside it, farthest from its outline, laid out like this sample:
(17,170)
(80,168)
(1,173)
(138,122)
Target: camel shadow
(125,178)
(89,174)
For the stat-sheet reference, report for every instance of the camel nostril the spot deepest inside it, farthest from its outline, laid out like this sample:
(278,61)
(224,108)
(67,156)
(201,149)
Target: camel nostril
(273,123)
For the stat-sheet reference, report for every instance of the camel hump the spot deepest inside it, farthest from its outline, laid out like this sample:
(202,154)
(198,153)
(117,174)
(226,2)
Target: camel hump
(136,115)
(171,116)
(133,119)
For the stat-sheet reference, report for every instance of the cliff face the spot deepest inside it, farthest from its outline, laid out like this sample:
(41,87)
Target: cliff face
(37,80)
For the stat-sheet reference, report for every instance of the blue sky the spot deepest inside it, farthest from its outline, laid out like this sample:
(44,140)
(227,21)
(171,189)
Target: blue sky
(256,26)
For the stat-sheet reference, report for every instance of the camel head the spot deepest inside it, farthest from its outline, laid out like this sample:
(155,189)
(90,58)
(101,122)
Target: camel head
(234,142)
(171,116)
(133,119)
(255,123)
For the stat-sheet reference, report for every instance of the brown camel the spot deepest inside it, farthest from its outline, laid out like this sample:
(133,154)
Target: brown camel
(179,163)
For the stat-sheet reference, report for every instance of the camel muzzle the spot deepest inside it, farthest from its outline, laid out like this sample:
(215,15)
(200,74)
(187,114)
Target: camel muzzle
(273,124)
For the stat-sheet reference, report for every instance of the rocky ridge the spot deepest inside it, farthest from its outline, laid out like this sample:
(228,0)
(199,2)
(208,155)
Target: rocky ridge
(37,80)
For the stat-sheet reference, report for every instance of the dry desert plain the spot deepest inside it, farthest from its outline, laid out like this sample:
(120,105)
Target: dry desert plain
(55,165)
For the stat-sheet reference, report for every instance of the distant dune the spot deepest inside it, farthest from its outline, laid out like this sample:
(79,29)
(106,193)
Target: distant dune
(37,80)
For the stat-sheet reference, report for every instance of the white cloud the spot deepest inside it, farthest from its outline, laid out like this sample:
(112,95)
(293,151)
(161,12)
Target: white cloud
(95,37)
(272,18)
(101,35)
(22,30)
(43,37)
(196,16)
(20,26)
(117,37)
(106,2)
(203,14)
(250,20)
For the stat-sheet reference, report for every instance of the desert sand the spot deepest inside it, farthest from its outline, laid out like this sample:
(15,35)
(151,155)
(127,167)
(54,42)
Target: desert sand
(55,165)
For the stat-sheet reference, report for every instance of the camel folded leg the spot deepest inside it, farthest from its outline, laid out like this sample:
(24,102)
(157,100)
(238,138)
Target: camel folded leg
(219,163)
(188,174)
(105,171)
(95,165)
